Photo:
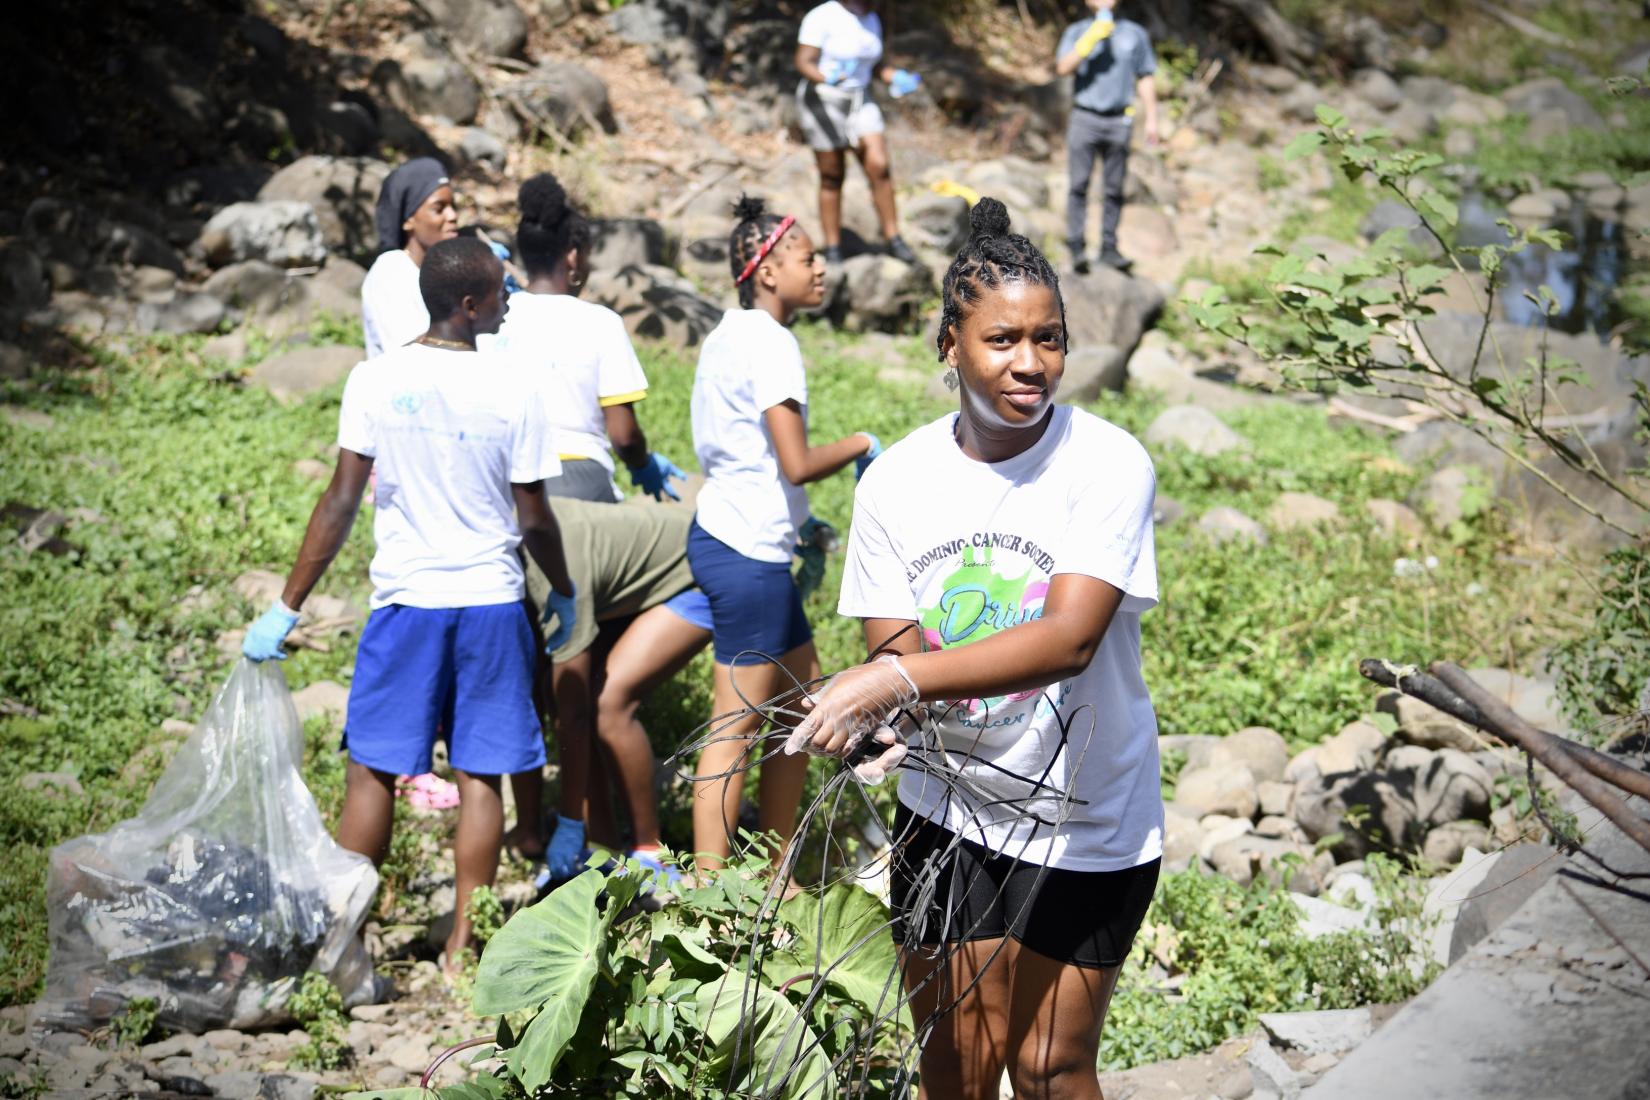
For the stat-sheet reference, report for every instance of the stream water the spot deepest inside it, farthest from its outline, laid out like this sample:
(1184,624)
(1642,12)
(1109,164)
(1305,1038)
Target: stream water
(1583,274)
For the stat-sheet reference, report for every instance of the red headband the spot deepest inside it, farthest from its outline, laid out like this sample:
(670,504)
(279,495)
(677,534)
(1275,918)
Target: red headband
(767,247)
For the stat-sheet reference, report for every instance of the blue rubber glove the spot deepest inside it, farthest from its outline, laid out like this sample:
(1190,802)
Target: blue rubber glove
(834,72)
(503,254)
(565,612)
(865,460)
(653,476)
(564,855)
(904,83)
(264,637)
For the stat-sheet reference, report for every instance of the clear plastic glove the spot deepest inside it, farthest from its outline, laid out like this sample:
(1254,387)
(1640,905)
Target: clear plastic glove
(854,704)
(864,461)
(904,83)
(895,740)
(1098,32)
(653,476)
(264,637)
(564,855)
(565,612)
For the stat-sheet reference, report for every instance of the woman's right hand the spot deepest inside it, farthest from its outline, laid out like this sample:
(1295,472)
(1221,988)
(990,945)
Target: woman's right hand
(855,704)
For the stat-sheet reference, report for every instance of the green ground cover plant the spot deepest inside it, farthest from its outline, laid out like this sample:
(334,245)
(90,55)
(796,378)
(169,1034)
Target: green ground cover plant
(191,479)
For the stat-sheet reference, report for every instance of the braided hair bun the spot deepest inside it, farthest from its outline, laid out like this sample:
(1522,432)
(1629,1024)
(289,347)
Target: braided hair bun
(752,225)
(550,224)
(993,255)
(749,208)
(989,218)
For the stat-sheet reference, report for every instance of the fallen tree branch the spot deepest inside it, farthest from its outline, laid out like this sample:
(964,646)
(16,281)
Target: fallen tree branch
(1590,774)
(1523,26)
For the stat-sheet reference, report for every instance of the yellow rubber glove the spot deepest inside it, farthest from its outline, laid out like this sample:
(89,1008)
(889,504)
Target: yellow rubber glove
(1098,32)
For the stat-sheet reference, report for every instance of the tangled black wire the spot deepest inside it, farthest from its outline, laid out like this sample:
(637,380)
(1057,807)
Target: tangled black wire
(1034,802)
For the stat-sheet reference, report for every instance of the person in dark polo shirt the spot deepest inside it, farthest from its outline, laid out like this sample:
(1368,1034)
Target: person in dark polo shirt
(1113,61)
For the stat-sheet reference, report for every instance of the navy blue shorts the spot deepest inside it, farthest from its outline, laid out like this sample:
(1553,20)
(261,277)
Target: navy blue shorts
(465,670)
(755,607)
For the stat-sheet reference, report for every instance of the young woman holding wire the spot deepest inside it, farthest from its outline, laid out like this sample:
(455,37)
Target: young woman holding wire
(1000,559)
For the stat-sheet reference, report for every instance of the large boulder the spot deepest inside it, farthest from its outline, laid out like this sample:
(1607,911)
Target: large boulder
(344,194)
(1263,751)
(656,304)
(1093,370)
(876,293)
(563,95)
(285,233)
(1293,511)
(1280,861)
(254,286)
(618,243)
(305,370)
(1358,813)
(495,28)
(1109,307)
(1452,786)
(1226,789)
(934,221)
(1377,89)
(1223,523)
(195,312)
(1550,94)
(1195,428)
(442,87)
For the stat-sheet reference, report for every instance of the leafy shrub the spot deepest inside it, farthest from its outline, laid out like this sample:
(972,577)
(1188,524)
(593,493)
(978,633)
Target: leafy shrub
(319,1010)
(134,1025)
(1604,672)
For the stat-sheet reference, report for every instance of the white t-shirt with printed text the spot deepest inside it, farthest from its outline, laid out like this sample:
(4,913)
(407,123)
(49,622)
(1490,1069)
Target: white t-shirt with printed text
(392,306)
(967,549)
(580,356)
(848,42)
(749,364)
(448,433)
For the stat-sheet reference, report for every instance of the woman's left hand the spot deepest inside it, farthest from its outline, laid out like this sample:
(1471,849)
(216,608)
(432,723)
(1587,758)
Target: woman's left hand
(854,704)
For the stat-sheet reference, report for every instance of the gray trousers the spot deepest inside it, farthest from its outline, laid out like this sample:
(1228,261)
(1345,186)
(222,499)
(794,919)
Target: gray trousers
(1089,135)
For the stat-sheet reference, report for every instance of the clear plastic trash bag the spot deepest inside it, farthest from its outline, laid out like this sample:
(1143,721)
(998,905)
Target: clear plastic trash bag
(221,893)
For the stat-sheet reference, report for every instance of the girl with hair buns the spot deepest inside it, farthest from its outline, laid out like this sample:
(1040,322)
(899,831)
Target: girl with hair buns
(592,378)
(1000,560)
(415,213)
(750,431)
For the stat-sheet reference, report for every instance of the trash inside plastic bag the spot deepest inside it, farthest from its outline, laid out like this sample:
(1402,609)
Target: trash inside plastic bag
(221,893)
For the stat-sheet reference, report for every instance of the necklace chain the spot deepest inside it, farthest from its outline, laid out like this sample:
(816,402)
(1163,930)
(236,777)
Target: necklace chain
(451,345)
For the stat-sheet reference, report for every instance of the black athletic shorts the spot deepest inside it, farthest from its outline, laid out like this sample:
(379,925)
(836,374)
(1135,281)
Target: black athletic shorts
(1083,918)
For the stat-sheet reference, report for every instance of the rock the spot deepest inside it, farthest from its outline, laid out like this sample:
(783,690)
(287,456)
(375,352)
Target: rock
(284,233)
(23,283)
(323,698)
(478,146)
(934,221)
(1238,1084)
(1108,307)
(56,784)
(1276,797)
(1452,787)
(1261,750)
(1274,78)
(1226,524)
(1166,510)
(655,305)
(1331,1031)
(197,312)
(1395,519)
(238,1085)
(1092,370)
(442,87)
(1293,511)
(1217,830)
(1533,699)
(876,293)
(343,191)
(1357,745)
(1606,199)
(1363,811)
(1218,790)
(1482,896)
(347,128)
(1446,844)
(154,284)
(1194,428)
(305,370)
(255,286)
(1325,918)
(618,243)
(1243,858)
(493,28)
(1278,827)
(1537,206)
(1460,144)
(1377,89)
(1198,748)
(1146,233)
(1411,123)
(1448,495)
(1272,1076)
(410,1055)
(1422,724)
(567,96)
(1181,837)
(1431,91)
(1534,97)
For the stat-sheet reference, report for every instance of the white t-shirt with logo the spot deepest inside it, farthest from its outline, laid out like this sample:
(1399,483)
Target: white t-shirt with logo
(749,364)
(847,42)
(580,356)
(392,307)
(967,549)
(448,433)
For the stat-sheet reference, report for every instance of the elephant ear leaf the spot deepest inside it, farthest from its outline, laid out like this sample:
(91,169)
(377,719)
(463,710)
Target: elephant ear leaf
(547,955)
(759,1041)
(844,937)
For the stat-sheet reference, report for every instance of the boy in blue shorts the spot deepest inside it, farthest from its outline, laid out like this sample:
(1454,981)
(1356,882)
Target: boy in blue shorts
(461,452)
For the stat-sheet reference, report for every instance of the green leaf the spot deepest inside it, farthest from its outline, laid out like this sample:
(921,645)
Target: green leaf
(544,951)
(686,948)
(1424,276)
(1304,145)
(779,1055)
(844,936)
(1329,116)
(1445,209)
